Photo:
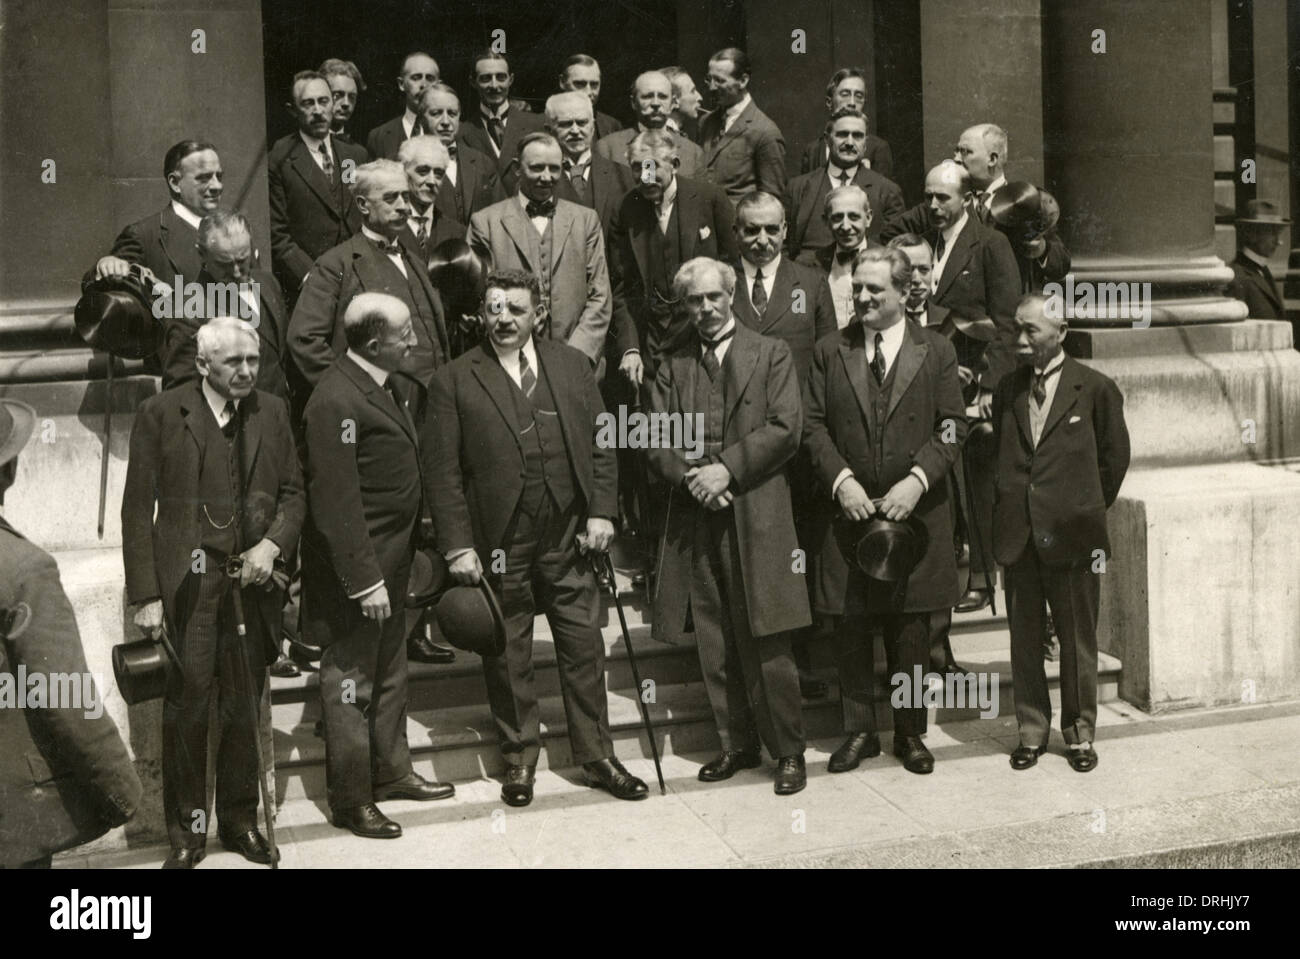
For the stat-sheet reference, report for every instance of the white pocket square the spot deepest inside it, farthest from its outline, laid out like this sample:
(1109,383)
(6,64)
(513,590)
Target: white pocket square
(1075,419)
(705,233)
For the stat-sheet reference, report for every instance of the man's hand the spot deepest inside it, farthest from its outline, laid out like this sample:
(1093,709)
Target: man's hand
(965,376)
(149,617)
(721,501)
(374,605)
(853,500)
(258,563)
(985,404)
(902,498)
(600,533)
(111,266)
(632,368)
(707,482)
(466,569)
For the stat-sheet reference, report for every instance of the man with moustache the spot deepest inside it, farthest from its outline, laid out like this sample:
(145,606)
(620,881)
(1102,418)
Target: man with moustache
(685,118)
(418,71)
(311,209)
(347,86)
(559,241)
(512,466)
(471,182)
(847,135)
(725,566)
(883,423)
(496,128)
(581,74)
(213,473)
(425,161)
(376,260)
(1062,453)
(653,102)
(594,181)
(847,89)
(365,492)
(847,212)
(743,149)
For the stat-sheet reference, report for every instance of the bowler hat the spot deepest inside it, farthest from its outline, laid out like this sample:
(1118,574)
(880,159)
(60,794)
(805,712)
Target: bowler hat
(1023,210)
(17,420)
(114,315)
(1263,213)
(428,579)
(470,618)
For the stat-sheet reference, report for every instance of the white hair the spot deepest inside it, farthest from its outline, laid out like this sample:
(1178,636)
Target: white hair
(368,174)
(210,335)
(571,98)
(409,149)
(691,269)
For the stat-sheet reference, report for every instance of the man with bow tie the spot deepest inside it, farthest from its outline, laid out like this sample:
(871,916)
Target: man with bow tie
(425,160)
(596,182)
(559,241)
(654,100)
(471,182)
(847,213)
(496,128)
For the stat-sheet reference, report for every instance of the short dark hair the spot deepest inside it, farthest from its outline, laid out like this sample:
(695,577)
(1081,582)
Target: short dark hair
(302,76)
(535,137)
(900,267)
(515,280)
(843,74)
(371,326)
(172,161)
(843,112)
(906,240)
(758,198)
(577,60)
(738,58)
(486,54)
(334,67)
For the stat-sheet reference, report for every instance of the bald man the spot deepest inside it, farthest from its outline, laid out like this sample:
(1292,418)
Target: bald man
(653,101)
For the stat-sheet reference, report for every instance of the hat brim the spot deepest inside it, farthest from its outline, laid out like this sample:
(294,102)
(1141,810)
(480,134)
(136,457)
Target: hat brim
(1255,221)
(24,425)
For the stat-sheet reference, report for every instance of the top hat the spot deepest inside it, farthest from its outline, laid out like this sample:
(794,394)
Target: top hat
(17,420)
(470,618)
(115,315)
(883,549)
(1263,213)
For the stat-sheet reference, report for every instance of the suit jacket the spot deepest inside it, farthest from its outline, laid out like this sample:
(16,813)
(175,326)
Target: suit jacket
(1051,267)
(168,443)
(822,257)
(1056,494)
(473,457)
(606,124)
(750,156)
(704,228)
(477,186)
(806,198)
(364,490)
(446,228)
(306,219)
(65,778)
(690,157)
(180,348)
(162,242)
(579,285)
(607,184)
(519,123)
(799,329)
(1257,288)
(760,436)
(384,140)
(316,337)
(877,153)
(925,426)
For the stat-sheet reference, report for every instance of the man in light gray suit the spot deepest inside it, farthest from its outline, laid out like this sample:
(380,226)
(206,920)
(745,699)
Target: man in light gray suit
(559,241)
(654,101)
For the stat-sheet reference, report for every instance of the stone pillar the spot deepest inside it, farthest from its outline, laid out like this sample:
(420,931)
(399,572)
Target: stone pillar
(1197,599)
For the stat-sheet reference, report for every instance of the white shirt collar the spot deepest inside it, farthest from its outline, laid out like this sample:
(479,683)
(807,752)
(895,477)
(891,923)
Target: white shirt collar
(1053,365)
(313,144)
(670,194)
(891,340)
(216,402)
(672,125)
(583,161)
(1001,181)
(737,109)
(751,270)
(380,376)
(374,237)
(834,172)
(409,121)
(499,113)
(952,232)
(185,213)
(509,359)
(726,328)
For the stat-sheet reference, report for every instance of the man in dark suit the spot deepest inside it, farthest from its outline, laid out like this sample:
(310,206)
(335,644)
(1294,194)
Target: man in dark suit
(589,179)
(743,149)
(581,74)
(653,102)
(364,489)
(883,423)
(225,246)
(425,161)
(217,460)
(514,468)
(500,121)
(560,242)
(418,71)
(847,213)
(809,231)
(375,260)
(1062,452)
(164,242)
(65,774)
(346,86)
(1258,235)
(725,565)
(685,118)
(471,182)
(308,172)
(848,89)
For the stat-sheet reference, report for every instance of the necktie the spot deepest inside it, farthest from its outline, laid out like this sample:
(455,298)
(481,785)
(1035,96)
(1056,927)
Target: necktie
(758,296)
(711,364)
(577,179)
(1040,388)
(326,164)
(938,248)
(540,208)
(495,126)
(232,419)
(878,361)
(917,317)
(421,228)
(981,206)
(841,176)
(527,378)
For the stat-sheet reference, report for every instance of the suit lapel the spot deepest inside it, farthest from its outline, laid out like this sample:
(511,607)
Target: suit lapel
(521,231)
(311,174)
(497,384)
(1263,281)
(853,353)
(910,357)
(962,246)
(1067,392)
(688,228)
(644,226)
(722,139)
(376,395)
(252,430)
(1020,403)
(170,227)
(782,299)
(415,263)
(813,198)
(192,408)
(742,358)
(564,398)
(561,225)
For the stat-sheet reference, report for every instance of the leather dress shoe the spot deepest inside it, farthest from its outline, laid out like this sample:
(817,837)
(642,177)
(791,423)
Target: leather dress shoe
(1082,760)
(1022,757)
(728,764)
(250,844)
(791,775)
(421,649)
(414,786)
(975,599)
(810,687)
(857,747)
(185,857)
(301,652)
(367,822)
(285,668)
(916,758)
(518,787)
(610,774)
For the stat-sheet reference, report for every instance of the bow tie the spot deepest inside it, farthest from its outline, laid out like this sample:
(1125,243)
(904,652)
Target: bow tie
(391,247)
(540,208)
(713,344)
(844,256)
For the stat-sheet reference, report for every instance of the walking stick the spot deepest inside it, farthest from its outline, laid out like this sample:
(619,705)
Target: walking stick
(108,432)
(233,566)
(636,674)
(972,527)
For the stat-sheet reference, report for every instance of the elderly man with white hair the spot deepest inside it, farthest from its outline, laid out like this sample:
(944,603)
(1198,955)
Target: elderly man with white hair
(597,182)
(212,476)
(426,159)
